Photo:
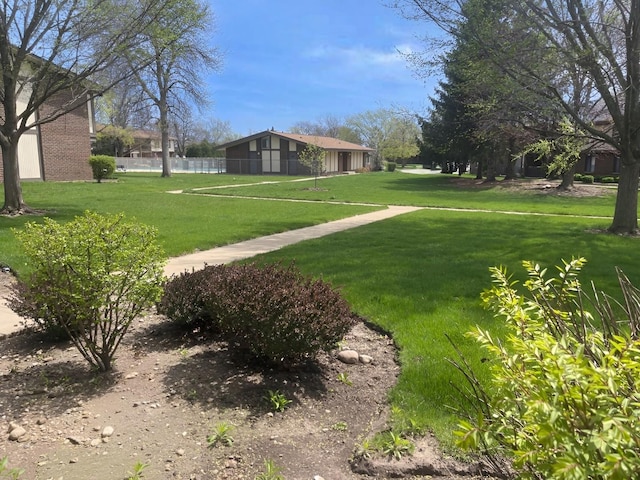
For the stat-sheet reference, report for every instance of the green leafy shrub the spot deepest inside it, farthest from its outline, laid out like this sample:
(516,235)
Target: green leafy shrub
(275,314)
(391,166)
(588,179)
(565,399)
(102,166)
(91,277)
(608,180)
(577,177)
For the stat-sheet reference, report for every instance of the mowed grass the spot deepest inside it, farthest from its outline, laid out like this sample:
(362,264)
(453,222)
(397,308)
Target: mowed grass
(185,223)
(418,276)
(436,190)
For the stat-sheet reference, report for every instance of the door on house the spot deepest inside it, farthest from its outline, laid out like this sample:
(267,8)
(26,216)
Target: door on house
(344,161)
(253,163)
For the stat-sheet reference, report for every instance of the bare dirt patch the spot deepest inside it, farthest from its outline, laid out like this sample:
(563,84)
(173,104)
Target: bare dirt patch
(540,186)
(169,393)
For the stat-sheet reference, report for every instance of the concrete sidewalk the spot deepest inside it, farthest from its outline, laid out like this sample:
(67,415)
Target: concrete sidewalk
(10,322)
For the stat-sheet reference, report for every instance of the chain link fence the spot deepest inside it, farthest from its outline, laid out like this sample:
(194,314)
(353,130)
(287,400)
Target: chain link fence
(178,165)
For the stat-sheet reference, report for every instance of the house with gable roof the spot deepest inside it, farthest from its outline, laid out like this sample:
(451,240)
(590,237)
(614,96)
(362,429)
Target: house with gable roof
(272,152)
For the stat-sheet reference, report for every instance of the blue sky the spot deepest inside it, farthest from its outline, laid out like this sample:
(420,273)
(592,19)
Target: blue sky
(299,60)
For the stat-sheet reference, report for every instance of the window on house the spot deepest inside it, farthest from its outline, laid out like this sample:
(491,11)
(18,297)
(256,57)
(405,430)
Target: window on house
(265,142)
(616,164)
(589,164)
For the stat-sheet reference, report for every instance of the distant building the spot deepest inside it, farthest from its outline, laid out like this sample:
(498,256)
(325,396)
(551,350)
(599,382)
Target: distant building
(277,152)
(148,144)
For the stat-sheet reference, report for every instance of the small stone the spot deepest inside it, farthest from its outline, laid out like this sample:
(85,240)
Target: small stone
(131,375)
(95,442)
(318,477)
(365,359)
(76,440)
(107,432)
(348,356)
(74,460)
(180,452)
(16,433)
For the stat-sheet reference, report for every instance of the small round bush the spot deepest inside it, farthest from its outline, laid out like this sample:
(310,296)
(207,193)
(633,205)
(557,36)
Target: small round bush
(90,277)
(578,177)
(587,179)
(185,301)
(274,314)
(102,166)
(608,180)
(391,166)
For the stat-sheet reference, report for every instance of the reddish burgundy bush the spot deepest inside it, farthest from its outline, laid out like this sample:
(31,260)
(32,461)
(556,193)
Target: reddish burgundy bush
(184,301)
(275,314)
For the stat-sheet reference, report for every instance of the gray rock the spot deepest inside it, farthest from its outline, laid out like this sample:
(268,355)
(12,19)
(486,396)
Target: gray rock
(107,432)
(365,359)
(16,433)
(348,356)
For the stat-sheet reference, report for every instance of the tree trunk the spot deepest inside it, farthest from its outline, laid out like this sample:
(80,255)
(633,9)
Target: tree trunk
(567,178)
(13,201)
(164,133)
(479,169)
(625,218)
(491,167)
(510,167)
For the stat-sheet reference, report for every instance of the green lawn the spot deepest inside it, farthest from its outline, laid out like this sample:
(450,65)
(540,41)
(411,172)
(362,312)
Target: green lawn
(419,275)
(430,191)
(185,223)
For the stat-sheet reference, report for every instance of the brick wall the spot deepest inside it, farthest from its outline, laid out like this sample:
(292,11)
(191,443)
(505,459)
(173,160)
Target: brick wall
(66,144)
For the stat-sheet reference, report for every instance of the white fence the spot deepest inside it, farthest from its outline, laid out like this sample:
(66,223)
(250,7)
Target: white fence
(178,165)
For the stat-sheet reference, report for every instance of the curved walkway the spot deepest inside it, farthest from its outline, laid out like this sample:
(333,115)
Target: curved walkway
(10,322)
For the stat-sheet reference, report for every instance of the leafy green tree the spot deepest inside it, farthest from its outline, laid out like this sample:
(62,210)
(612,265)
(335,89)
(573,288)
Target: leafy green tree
(313,157)
(535,41)
(177,54)
(402,143)
(113,140)
(91,277)
(387,132)
(52,50)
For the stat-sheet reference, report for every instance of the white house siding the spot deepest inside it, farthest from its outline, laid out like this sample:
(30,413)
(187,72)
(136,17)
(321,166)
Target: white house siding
(331,161)
(29,162)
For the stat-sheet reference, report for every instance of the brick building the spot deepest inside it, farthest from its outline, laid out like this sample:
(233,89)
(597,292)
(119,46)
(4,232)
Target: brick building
(58,150)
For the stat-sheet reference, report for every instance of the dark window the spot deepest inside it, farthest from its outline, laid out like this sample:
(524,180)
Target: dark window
(265,142)
(589,164)
(616,164)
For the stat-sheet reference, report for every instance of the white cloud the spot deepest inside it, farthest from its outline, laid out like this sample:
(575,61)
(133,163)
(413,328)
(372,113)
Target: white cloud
(361,57)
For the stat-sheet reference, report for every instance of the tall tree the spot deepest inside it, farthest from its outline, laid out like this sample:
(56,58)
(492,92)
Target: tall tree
(382,130)
(125,105)
(600,37)
(327,126)
(49,53)
(177,53)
